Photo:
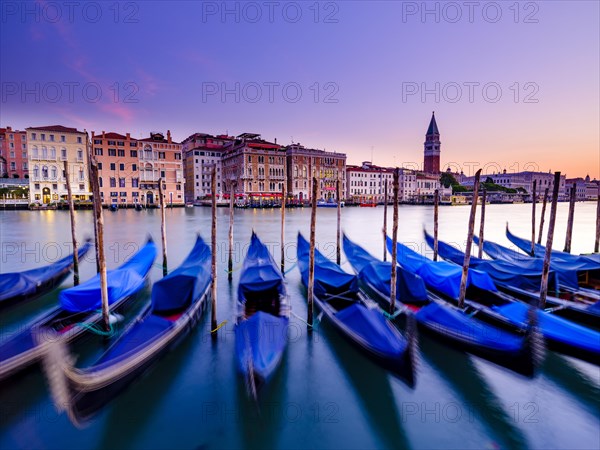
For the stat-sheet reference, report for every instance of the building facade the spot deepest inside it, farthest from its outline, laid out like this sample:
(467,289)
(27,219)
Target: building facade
(255,167)
(118,161)
(432,145)
(48,148)
(366,183)
(13,153)
(304,163)
(201,152)
(160,158)
(524,180)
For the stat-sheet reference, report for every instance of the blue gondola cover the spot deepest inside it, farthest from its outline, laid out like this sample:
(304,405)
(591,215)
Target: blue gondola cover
(122,282)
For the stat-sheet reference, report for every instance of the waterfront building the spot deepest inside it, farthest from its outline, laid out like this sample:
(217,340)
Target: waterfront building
(304,163)
(118,167)
(48,147)
(432,148)
(591,188)
(255,166)
(13,153)
(366,183)
(201,152)
(585,189)
(160,158)
(523,180)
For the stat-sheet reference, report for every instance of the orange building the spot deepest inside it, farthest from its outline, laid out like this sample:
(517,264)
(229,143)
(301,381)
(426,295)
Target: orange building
(13,153)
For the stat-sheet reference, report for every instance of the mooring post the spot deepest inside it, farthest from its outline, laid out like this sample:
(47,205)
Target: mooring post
(73,235)
(311,259)
(394,273)
(570,219)
(539,239)
(163,226)
(482,223)
(549,240)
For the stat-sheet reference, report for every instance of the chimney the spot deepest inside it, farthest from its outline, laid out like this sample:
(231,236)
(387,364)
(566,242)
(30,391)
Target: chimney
(169,136)
(93,133)
(8,128)
(103,133)
(275,140)
(128,136)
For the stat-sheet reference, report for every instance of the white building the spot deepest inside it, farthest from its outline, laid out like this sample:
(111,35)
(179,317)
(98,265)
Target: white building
(366,183)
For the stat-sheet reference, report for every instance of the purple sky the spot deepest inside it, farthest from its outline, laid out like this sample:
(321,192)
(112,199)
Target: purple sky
(345,76)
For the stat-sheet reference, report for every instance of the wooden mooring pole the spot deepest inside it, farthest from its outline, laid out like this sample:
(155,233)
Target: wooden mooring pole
(394,273)
(533,198)
(100,242)
(597,243)
(91,160)
(163,225)
(482,223)
(283,198)
(385,205)
(311,259)
(549,240)
(436,212)
(539,239)
(338,192)
(213,242)
(73,235)
(465,269)
(572,199)
(231,206)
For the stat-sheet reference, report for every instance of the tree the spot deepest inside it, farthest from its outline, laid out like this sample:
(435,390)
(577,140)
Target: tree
(447,180)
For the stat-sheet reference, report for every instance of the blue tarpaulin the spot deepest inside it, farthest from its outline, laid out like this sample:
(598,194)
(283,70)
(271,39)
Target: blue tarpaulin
(26,283)
(329,277)
(582,262)
(259,271)
(122,282)
(555,328)
(440,275)
(565,272)
(186,283)
(502,272)
(410,288)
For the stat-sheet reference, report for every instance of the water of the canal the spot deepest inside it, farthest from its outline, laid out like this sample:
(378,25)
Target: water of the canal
(326,394)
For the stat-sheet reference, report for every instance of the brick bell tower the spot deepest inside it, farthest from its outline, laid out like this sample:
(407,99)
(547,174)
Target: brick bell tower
(431,163)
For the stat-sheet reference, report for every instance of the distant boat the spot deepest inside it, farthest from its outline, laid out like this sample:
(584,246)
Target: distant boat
(329,203)
(263,316)
(178,301)
(367,204)
(79,308)
(18,287)
(138,207)
(113,207)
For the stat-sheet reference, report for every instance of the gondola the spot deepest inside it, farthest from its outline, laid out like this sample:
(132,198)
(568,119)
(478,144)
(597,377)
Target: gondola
(523,283)
(178,301)
(559,334)
(572,283)
(262,318)
(355,317)
(584,262)
(18,287)
(79,307)
(507,346)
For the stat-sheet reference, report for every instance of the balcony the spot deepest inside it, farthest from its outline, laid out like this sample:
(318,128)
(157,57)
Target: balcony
(151,176)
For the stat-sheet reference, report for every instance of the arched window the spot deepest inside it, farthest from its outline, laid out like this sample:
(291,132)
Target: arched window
(52,153)
(35,151)
(63,153)
(44,152)
(100,181)
(53,172)
(44,171)
(36,171)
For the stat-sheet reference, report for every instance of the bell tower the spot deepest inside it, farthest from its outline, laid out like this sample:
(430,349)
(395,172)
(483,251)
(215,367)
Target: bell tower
(431,162)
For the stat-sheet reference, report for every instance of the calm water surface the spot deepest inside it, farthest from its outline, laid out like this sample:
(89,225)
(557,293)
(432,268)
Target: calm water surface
(326,394)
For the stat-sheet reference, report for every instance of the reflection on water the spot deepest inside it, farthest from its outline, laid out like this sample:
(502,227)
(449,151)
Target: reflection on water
(325,394)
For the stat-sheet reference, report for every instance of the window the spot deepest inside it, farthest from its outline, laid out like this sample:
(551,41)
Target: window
(43,136)
(79,139)
(249,158)
(135,182)
(135,194)
(79,155)
(133,153)
(52,138)
(45,171)
(81,178)
(123,194)
(33,136)
(162,173)
(178,156)
(120,152)
(36,186)
(113,182)
(121,166)
(112,152)
(53,172)
(120,143)
(121,182)
(55,186)
(112,166)
(100,181)
(44,153)
(52,153)
(133,144)
(63,153)
(99,166)
(97,142)
(112,142)
(161,155)
(134,167)
(81,187)
(98,151)
(13,165)
(178,187)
